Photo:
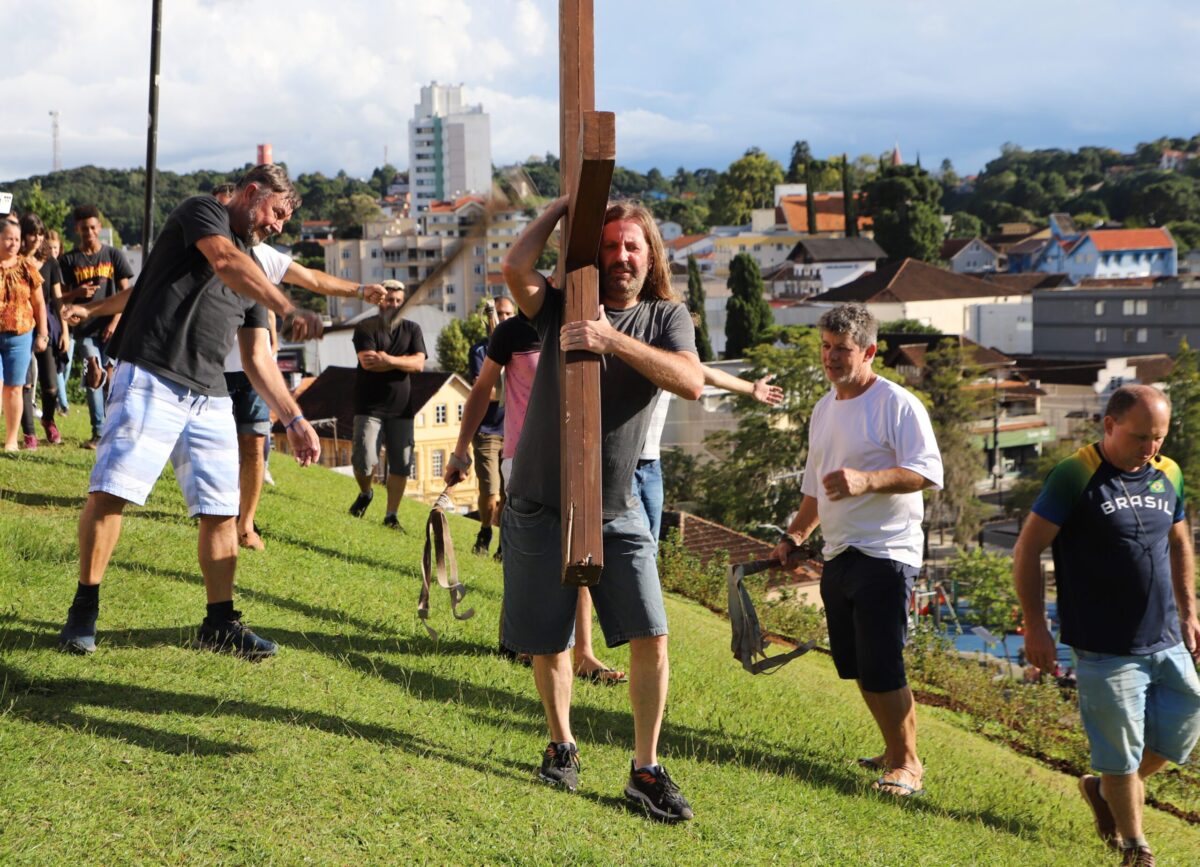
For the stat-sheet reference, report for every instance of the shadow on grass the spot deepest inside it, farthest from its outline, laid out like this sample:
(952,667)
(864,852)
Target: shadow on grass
(26,498)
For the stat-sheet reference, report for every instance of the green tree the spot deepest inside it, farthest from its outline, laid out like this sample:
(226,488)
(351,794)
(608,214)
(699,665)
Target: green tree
(756,479)
(1186,234)
(695,304)
(849,205)
(906,326)
(903,202)
(1170,199)
(53,212)
(454,348)
(965,225)
(810,199)
(748,317)
(1183,435)
(798,164)
(954,406)
(985,579)
(349,214)
(748,184)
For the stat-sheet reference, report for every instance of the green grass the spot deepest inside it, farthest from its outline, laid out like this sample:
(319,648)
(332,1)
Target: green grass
(363,742)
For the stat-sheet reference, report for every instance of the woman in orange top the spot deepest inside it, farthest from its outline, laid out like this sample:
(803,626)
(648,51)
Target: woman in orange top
(21,310)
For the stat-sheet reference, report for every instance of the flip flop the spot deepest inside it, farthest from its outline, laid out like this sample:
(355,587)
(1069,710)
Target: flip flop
(872,764)
(906,791)
(602,675)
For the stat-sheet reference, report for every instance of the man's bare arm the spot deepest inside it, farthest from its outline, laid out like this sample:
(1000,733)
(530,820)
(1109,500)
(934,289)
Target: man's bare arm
(376,361)
(805,521)
(848,482)
(327,284)
(254,344)
(1183,581)
(1036,536)
(680,373)
(759,389)
(527,286)
(243,275)
(473,412)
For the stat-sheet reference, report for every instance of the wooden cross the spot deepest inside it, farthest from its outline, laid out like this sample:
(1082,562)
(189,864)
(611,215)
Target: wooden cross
(587,154)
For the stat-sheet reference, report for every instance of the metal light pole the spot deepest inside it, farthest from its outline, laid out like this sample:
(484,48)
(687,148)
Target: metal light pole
(152,128)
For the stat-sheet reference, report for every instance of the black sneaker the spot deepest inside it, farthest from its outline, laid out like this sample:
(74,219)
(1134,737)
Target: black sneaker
(392,523)
(560,766)
(233,637)
(79,633)
(657,794)
(499,555)
(482,543)
(361,502)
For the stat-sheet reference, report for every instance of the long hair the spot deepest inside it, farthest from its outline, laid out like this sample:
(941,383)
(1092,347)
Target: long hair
(31,224)
(658,273)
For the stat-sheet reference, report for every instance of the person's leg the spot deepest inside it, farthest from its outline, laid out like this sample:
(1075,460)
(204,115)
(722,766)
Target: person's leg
(98,533)
(552,676)
(217,550)
(364,456)
(398,434)
(1125,794)
(64,375)
(250,482)
(48,383)
(649,673)
(895,714)
(13,411)
(27,410)
(396,484)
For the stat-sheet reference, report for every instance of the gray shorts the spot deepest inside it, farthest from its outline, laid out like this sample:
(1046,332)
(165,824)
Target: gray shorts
(539,612)
(371,433)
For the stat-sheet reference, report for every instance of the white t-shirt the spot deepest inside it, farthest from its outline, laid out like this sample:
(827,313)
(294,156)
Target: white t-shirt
(658,421)
(275,265)
(884,427)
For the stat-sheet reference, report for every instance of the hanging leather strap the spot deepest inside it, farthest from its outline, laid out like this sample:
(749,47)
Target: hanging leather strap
(748,645)
(439,554)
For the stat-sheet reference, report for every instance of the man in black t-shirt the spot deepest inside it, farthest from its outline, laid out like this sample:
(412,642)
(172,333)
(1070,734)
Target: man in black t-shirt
(94,271)
(197,293)
(389,349)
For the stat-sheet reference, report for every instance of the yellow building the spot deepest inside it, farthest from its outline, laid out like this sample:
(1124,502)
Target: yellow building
(766,248)
(437,401)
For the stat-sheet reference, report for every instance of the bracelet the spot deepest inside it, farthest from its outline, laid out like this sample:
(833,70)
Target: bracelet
(791,537)
(299,417)
(362,291)
(458,463)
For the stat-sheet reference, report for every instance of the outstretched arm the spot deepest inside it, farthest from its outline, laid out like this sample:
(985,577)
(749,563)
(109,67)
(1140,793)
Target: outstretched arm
(328,284)
(473,412)
(241,274)
(527,286)
(759,389)
(263,373)
(679,372)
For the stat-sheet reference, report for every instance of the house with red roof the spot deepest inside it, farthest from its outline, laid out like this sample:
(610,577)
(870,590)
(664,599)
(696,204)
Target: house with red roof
(1108,253)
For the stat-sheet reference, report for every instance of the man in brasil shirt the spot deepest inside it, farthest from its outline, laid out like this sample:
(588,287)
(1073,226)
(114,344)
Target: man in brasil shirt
(1123,564)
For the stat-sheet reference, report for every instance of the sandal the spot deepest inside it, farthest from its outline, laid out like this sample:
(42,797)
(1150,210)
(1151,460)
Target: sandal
(904,789)
(606,676)
(872,764)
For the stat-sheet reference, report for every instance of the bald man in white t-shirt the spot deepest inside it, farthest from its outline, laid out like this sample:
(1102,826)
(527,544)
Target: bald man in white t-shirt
(871,452)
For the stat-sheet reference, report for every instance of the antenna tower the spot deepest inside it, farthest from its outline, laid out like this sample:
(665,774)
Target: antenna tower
(57,154)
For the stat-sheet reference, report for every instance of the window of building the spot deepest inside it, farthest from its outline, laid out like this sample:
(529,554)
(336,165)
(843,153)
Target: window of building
(412,468)
(460,412)
(374,254)
(1101,335)
(451,307)
(439,414)
(479,250)
(1142,307)
(1099,308)
(1127,335)
(478,269)
(1127,307)
(437,463)
(1143,335)
(480,288)
(345,254)
(449,290)
(420,419)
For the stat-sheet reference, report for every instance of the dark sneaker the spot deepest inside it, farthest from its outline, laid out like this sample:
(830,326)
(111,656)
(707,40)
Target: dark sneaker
(91,444)
(1137,856)
(657,794)
(360,504)
(392,523)
(1106,823)
(79,633)
(52,434)
(499,555)
(560,766)
(481,545)
(233,637)
(31,443)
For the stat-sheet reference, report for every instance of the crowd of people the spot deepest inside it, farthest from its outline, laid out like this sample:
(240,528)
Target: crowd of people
(181,368)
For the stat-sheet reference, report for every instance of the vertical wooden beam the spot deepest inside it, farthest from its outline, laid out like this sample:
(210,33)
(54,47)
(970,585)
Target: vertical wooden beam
(579,398)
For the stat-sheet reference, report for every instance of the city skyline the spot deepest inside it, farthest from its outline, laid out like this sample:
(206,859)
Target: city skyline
(330,93)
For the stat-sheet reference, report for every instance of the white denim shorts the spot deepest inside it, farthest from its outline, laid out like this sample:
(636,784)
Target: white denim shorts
(151,420)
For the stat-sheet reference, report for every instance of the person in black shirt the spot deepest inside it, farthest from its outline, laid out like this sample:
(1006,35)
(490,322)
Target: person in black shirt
(94,271)
(389,348)
(198,292)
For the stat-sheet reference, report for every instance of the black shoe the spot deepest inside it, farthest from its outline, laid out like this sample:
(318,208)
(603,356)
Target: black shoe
(392,523)
(560,766)
(499,555)
(657,794)
(482,544)
(360,504)
(79,633)
(233,637)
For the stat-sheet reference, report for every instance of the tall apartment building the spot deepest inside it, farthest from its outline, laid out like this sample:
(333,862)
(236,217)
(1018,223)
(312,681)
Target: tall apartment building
(449,146)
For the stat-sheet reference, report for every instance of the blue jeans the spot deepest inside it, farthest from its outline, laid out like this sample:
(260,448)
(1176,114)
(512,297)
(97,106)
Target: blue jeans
(64,373)
(648,488)
(94,347)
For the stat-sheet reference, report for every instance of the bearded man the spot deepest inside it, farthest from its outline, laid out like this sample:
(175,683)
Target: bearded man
(198,292)
(646,342)
(389,349)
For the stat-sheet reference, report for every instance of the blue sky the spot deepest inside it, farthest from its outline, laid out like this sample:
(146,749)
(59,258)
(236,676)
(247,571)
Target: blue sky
(693,82)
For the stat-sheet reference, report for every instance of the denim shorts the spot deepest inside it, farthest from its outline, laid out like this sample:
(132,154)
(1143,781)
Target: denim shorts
(250,413)
(866,609)
(539,612)
(152,420)
(15,352)
(1130,704)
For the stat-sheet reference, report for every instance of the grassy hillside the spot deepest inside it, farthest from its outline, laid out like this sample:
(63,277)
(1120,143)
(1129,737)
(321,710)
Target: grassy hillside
(363,742)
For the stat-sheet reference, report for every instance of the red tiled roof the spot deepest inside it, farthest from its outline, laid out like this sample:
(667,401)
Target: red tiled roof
(316,224)
(952,246)
(708,539)
(685,241)
(831,216)
(1107,240)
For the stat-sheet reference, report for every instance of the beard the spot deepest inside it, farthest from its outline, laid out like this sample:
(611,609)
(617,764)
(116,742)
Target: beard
(620,289)
(391,318)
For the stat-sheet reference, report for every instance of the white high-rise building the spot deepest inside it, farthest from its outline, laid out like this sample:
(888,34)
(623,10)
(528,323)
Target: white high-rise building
(449,146)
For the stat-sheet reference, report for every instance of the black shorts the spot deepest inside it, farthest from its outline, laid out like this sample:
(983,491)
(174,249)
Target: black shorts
(866,608)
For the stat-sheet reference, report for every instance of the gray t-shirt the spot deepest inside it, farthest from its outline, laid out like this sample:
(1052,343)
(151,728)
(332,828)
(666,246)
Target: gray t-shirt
(626,401)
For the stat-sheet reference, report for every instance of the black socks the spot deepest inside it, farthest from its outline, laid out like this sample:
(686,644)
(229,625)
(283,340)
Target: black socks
(220,612)
(87,597)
